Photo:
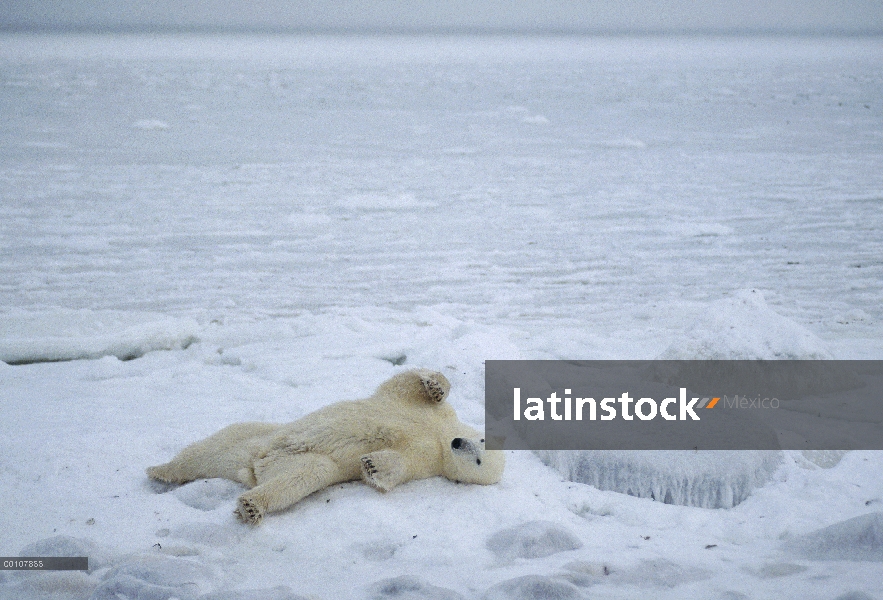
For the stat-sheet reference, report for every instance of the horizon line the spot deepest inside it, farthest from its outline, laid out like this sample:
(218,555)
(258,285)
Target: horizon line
(166,29)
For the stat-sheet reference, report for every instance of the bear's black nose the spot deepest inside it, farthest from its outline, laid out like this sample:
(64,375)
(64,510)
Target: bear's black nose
(456,443)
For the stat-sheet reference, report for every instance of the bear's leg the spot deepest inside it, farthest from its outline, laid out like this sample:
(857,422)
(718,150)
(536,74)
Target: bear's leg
(228,453)
(436,386)
(283,481)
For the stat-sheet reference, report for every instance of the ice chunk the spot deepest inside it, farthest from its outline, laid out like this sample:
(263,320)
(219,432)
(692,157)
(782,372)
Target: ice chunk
(534,587)
(534,539)
(859,538)
(744,327)
(707,479)
(282,592)
(408,587)
(207,494)
(29,337)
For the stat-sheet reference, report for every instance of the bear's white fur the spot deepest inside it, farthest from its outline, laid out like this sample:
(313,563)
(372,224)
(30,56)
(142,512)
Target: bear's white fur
(405,431)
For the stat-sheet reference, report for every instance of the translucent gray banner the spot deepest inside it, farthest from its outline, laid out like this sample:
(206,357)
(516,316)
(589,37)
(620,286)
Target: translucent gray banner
(684,405)
(44,563)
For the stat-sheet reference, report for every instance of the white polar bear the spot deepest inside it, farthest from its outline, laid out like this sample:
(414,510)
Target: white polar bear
(404,431)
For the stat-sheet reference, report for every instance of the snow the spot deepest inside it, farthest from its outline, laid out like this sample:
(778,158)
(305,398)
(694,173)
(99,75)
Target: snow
(745,327)
(196,231)
(534,539)
(60,334)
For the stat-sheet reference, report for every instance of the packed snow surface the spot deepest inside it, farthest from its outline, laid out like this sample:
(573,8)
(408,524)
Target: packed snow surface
(196,231)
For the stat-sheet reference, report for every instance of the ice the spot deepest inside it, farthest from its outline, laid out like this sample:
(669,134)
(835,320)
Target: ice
(265,225)
(46,336)
(536,539)
(707,479)
(859,538)
(408,587)
(534,587)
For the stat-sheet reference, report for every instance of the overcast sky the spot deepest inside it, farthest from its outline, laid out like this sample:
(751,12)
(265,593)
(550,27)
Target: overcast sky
(845,16)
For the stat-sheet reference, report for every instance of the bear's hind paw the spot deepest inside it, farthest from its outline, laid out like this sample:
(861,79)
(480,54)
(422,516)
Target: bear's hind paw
(162,473)
(249,512)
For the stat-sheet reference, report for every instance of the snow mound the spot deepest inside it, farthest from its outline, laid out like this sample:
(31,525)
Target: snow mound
(155,577)
(282,592)
(825,459)
(127,586)
(535,539)
(534,587)
(658,572)
(32,337)
(207,494)
(57,585)
(744,327)
(54,585)
(705,479)
(65,545)
(408,587)
(859,538)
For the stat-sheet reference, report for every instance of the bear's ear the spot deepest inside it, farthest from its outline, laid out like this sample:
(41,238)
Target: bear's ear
(436,386)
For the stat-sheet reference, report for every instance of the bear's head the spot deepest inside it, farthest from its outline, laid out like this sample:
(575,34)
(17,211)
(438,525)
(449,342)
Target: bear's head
(467,460)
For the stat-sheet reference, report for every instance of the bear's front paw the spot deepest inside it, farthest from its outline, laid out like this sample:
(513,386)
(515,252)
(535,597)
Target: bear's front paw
(249,512)
(383,470)
(434,389)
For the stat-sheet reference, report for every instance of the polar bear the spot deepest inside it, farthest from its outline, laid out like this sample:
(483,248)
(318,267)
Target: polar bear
(405,431)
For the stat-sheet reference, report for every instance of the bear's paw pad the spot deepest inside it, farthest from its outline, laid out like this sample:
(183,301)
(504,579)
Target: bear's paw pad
(371,476)
(434,389)
(249,512)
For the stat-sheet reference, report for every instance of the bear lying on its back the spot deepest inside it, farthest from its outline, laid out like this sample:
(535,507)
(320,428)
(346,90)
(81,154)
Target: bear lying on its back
(404,431)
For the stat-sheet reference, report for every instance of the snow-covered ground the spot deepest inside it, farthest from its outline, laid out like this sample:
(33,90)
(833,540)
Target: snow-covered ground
(210,230)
